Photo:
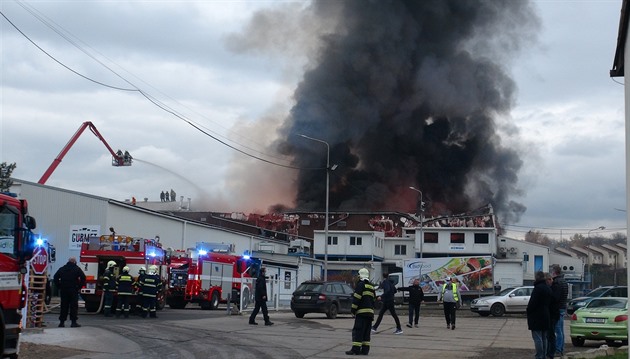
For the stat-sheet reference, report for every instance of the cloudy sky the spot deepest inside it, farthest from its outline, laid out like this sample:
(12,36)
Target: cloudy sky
(214,86)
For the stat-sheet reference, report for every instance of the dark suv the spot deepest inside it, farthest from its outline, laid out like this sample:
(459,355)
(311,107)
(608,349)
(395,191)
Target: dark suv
(610,291)
(330,298)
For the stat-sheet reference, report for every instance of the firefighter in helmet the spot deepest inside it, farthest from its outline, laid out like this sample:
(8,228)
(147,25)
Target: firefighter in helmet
(150,285)
(109,288)
(142,272)
(125,291)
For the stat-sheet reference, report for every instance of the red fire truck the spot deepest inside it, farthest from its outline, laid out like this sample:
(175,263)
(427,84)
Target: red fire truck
(16,247)
(209,278)
(125,251)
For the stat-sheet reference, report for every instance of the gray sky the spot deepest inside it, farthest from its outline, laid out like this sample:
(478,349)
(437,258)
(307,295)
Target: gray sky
(190,57)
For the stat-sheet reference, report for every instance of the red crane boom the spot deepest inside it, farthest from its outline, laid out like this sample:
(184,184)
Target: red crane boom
(118,158)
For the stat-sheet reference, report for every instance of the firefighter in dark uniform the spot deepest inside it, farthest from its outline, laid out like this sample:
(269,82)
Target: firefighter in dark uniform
(142,272)
(363,312)
(109,288)
(125,291)
(150,286)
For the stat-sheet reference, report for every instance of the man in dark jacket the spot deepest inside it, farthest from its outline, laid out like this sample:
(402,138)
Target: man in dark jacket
(538,317)
(388,304)
(69,279)
(416,296)
(554,315)
(261,299)
(560,290)
(363,312)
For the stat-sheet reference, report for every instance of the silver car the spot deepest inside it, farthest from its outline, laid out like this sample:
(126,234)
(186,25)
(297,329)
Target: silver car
(510,300)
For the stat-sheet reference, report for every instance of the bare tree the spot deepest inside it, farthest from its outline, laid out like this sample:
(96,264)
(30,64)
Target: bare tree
(5,176)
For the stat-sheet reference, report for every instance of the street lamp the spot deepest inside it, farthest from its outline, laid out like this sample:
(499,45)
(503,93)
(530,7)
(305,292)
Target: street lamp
(327,197)
(421,217)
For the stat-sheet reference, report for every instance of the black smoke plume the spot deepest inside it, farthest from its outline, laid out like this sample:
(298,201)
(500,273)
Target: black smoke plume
(411,93)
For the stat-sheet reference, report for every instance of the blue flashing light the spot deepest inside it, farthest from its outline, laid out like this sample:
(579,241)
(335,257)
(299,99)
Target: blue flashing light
(152,254)
(39,242)
(202,252)
(246,257)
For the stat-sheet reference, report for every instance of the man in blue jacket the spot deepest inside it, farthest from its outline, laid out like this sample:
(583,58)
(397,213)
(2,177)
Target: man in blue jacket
(388,304)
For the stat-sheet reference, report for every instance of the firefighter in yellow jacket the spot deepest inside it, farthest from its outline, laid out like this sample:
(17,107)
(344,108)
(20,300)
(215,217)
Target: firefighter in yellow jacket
(363,312)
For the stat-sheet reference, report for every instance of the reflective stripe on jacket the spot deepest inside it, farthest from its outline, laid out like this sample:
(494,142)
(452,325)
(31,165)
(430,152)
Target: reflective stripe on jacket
(363,299)
(454,291)
(125,284)
(109,281)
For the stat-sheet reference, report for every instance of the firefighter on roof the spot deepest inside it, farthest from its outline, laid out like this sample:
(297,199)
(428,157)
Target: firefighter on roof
(150,286)
(109,288)
(125,291)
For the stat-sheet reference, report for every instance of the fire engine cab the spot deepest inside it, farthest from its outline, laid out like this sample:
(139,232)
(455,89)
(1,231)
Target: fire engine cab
(209,277)
(125,251)
(17,242)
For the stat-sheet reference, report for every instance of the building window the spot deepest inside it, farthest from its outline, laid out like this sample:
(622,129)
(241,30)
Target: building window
(430,237)
(400,250)
(356,241)
(457,238)
(481,238)
(333,241)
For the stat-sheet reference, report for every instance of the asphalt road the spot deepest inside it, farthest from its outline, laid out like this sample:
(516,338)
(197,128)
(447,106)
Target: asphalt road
(193,333)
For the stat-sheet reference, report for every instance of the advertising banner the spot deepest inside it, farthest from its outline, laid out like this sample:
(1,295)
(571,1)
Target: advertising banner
(472,273)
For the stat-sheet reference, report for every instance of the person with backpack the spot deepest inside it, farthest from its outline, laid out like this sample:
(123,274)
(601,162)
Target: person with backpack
(451,299)
(388,304)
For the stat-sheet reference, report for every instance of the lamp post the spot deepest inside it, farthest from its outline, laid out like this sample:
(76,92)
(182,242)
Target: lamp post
(327,197)
(421,217)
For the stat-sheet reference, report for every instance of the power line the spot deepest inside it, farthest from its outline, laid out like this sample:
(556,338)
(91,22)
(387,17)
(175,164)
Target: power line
(145,94)
(62,64)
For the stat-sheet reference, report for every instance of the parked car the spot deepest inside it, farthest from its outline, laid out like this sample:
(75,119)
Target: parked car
(604,318)
(331,298)
(510,300)
(609,291)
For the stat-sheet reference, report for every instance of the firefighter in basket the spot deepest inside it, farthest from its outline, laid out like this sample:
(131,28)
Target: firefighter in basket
(125,291)
(150,287)
(109,288)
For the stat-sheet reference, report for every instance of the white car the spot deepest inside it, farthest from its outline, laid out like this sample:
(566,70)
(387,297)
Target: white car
(510,300)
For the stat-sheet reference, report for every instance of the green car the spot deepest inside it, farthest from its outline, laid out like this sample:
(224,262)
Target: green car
(601,319)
